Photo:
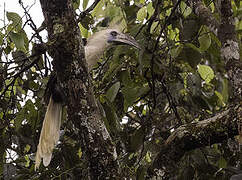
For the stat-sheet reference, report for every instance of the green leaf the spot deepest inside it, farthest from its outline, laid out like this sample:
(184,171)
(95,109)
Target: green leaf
(132,92)
(185,10)
(114,13)
(176,51)
(27,148)
(112,122)
(190,45)
(130,95)
(113,91)
(142,1)
(153,26)
(23,35)
(220,97)
(172,33)
(150,9)
(212,6)
(204,41)
(21,115)
(18,40)
(84,31)
(142,13)
(239,25)
(1,37)
(79,152)
(84,4)
(148,157)
(16,19)
(222,163)
(98,10)
(205,72)
(76,4)
(125,78)
(140,174)
(26,157)
(136,139)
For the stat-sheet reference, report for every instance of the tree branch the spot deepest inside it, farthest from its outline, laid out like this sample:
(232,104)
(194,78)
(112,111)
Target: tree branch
(195,135)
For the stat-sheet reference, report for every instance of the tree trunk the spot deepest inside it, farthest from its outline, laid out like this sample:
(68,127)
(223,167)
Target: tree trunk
(64,41)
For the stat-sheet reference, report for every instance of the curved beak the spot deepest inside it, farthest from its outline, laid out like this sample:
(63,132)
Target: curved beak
(125,39)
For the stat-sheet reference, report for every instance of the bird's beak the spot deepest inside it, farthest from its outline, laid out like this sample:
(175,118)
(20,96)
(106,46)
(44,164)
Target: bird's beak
(126,39)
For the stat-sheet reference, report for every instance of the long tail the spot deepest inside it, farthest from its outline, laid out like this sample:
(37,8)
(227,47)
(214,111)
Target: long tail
(50,133)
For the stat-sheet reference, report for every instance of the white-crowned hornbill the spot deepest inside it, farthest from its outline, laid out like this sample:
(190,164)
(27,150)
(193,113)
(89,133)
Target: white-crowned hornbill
(94,49)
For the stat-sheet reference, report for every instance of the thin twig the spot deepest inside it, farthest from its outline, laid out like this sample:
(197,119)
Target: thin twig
(31,24)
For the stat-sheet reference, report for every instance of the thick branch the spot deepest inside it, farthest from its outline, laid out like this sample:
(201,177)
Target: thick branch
(195,135)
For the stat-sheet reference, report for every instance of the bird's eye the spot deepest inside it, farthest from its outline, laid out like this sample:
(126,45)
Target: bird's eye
(114,33)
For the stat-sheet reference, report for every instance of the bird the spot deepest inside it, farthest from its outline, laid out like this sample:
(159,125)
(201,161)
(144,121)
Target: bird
(94,49)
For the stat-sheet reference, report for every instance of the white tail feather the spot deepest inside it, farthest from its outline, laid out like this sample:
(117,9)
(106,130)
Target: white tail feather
(50,133)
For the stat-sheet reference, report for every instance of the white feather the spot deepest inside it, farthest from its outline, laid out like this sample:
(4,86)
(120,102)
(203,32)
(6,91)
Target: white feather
(50,133)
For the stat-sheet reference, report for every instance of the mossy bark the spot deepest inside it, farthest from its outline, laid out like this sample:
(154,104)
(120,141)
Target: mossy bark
(64,46)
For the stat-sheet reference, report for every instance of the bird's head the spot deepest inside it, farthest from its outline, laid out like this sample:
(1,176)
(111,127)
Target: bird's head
(111,36)
(117,38)
(101,40)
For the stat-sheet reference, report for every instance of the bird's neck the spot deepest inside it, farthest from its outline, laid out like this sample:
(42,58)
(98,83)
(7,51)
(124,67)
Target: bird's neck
(95,47)
(93,53)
